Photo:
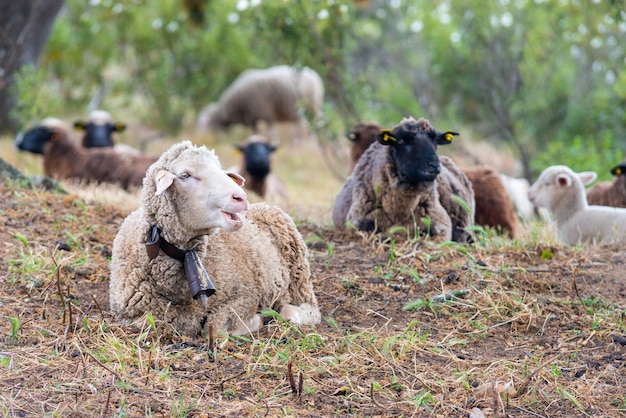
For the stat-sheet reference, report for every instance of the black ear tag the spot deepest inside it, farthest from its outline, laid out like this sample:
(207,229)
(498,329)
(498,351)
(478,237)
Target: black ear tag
(153,244)
(200,284)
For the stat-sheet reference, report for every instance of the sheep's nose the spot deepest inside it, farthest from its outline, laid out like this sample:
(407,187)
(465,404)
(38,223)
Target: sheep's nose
(240,198)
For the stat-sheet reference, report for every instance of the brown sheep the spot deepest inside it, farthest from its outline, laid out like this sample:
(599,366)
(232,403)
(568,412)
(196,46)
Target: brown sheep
(493,205)
(610,193)
(65,158)
(362,135)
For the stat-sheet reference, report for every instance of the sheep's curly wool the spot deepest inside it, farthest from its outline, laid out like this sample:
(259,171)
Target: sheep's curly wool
(261,265)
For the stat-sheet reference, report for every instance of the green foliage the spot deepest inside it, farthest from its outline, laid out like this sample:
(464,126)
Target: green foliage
(533,76)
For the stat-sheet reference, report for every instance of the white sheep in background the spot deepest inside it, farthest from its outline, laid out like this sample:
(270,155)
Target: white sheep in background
(610,193)
(400,180)
(256,261)
(561,191)
(65,158)
(270,95)
(517,189)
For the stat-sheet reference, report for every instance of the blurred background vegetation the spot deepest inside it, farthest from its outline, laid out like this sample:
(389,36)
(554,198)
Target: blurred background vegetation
(544,79)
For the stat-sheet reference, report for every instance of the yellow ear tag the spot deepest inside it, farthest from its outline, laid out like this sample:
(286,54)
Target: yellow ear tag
(388,138)
(160,175)
(618,171)
(351,136)
(448,137)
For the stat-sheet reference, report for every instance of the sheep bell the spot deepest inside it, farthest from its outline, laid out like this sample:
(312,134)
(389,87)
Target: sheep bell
(200,284)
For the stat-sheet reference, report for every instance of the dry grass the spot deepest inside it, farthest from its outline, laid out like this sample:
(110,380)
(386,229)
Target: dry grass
(411,327)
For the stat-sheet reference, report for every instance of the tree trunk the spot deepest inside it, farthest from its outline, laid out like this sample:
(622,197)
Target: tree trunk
(25,26)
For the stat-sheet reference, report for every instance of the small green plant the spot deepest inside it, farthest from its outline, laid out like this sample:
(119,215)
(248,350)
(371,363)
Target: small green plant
(16,324)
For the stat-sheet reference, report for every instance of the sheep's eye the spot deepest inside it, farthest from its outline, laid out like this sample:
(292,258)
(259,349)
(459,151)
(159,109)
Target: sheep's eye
(183,175)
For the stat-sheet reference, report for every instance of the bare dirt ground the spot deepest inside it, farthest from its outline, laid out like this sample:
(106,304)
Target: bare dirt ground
(411,328)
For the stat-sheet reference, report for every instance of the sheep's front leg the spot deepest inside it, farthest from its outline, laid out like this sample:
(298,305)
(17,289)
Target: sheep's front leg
(246,326)
(303,314)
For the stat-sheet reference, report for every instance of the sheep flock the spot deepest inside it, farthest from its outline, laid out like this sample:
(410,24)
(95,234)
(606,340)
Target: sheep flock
(199,256)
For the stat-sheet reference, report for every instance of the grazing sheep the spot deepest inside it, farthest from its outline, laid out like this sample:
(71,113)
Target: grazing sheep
(268,95)
(400,180)
(362,135)
(256,169)
(99,128)
(610,193)
(494,207)
(561,191)
(185,230)
(65,158)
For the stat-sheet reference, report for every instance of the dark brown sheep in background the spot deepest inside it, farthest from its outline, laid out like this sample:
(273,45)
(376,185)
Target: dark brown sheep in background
(608,193)
(65,158)
(362,135)
(494,207)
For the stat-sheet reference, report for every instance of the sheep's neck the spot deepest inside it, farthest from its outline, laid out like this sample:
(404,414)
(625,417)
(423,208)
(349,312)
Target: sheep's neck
(200,285)
(565,206)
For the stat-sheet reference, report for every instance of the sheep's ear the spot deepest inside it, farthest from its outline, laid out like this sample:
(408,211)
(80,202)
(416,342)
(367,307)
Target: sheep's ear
(587,177)
(563,180)
(444,138)
(80,125)
(119,127)
(384,137)
(619,170)
(239,148)
(163,179)
(271,148)
(236,178)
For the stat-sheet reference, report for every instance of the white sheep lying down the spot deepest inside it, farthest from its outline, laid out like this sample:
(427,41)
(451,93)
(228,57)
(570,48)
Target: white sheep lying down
(562,192)
(255,261)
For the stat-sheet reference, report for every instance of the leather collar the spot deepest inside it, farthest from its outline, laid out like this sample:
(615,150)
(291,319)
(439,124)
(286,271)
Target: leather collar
(155,242)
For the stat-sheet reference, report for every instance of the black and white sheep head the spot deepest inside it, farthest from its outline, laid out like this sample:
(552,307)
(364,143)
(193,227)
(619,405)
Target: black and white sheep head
(36,139)
(413,149)
(99,128)
(256,155)
(187,194)
(557,184)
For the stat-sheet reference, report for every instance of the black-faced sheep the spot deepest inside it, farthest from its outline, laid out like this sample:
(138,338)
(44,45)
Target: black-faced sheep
(610,193)
(191,207)
(255,167)
(400,180)
(65,158)
(561,191)
(492,204)
(98,129)
(270,95)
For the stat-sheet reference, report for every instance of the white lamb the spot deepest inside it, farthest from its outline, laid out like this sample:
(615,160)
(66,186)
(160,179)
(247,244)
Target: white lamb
(561,191)
(182,241)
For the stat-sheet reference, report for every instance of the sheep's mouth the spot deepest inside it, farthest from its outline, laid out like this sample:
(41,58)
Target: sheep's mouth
(233,219)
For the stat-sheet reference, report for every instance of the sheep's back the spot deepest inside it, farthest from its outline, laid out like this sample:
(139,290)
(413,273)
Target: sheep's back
(608,193)
(494,207)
